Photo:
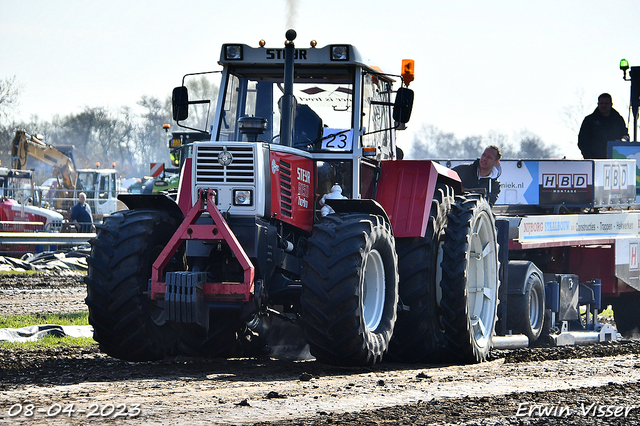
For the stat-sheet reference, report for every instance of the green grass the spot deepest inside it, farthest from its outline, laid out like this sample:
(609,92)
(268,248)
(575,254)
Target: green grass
(25,272)
(49,342)
(19,321)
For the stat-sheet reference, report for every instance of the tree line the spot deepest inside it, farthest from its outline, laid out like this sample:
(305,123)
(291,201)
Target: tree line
(101,135)
(430,142)
(132,140)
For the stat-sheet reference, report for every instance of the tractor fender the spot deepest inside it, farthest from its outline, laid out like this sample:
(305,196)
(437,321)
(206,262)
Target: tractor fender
(358,206)
(406,189)
(153,202)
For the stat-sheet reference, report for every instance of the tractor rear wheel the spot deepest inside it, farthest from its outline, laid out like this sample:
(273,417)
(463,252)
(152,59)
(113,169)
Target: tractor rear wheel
(418,335)
(470,279)
(349,289)
(126,324)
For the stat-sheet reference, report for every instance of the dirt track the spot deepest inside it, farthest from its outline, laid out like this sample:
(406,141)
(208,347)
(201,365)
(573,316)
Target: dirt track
(527,386)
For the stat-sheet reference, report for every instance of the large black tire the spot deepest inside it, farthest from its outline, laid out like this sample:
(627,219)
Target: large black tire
(470,280)
(349,289)
(418,335)
(626,314)
(126,324)
(526,312)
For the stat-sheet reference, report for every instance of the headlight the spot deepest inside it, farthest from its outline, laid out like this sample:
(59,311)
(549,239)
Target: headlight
(233,52)
(242,197)
(340,53)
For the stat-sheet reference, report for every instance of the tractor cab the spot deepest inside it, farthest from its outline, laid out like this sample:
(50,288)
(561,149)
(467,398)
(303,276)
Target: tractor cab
(336,108)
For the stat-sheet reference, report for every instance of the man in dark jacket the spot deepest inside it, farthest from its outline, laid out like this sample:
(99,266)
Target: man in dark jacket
(81,214)
(600,127)
(483,173)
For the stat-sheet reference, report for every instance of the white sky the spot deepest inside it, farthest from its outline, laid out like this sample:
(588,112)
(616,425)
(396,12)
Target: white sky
(481,66)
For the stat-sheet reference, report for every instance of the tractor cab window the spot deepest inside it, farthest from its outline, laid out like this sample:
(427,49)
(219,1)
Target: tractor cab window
(86,184)
(376,112)
(330,173)
(18,188)
(103,190)
(322,106)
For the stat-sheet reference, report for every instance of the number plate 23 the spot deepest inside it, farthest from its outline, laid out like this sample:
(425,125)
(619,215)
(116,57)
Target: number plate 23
(337,139)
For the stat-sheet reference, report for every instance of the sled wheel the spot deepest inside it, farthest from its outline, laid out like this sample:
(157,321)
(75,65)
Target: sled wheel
(350,289)
(418,335)
(126,324)
(526,312)
(626,314)
(469,279)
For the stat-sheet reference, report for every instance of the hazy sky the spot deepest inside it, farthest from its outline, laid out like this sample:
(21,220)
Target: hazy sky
(481,66)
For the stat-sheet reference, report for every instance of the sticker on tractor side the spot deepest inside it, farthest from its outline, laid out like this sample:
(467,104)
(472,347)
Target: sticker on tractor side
(337,139)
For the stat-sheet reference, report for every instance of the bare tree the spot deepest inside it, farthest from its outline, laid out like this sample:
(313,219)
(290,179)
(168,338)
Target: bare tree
(432,143)
(201,88)
(531,146)
(574,114)
(152,140)
(9,92)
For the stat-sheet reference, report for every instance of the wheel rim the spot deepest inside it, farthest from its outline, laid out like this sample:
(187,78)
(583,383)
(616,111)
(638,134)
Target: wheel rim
(534,310)
(373,290)
(482,279)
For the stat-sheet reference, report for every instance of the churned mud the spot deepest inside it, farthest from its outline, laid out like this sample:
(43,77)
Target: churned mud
(580,385)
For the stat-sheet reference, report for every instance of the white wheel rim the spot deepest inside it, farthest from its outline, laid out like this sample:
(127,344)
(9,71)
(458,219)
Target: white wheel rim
(534,309)
(482,279)
(373,290)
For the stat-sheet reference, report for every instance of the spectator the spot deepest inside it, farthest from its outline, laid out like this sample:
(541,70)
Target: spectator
(81,214)
(600,127)
(483,173)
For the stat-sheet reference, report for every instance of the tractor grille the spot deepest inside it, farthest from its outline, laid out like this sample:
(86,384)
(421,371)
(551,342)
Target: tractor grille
(209,171)
(285,188)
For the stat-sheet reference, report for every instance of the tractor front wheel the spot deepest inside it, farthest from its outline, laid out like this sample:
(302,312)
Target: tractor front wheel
(126,324)
(349,289)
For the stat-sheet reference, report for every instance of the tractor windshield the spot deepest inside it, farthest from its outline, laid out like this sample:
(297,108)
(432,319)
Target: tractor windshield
(17,187)
(323,106)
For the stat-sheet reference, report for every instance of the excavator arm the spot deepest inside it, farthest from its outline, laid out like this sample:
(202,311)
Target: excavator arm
(25,145)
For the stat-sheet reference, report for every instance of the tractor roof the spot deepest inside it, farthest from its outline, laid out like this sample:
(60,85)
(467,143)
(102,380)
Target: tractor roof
(334,54)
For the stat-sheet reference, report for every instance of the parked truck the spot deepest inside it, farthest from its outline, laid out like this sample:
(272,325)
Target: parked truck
(297,220)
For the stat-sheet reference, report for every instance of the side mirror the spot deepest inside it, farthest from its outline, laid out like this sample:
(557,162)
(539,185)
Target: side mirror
(180,103)
(403,105)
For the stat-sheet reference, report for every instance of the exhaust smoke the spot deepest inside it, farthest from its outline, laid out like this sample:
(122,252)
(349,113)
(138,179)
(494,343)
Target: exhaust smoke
(292,13)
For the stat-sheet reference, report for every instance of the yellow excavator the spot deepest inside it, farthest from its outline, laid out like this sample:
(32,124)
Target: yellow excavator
(25,145)
(100,185)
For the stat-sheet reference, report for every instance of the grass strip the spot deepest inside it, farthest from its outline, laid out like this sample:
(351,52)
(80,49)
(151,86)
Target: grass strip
(50,342)
(19,321)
